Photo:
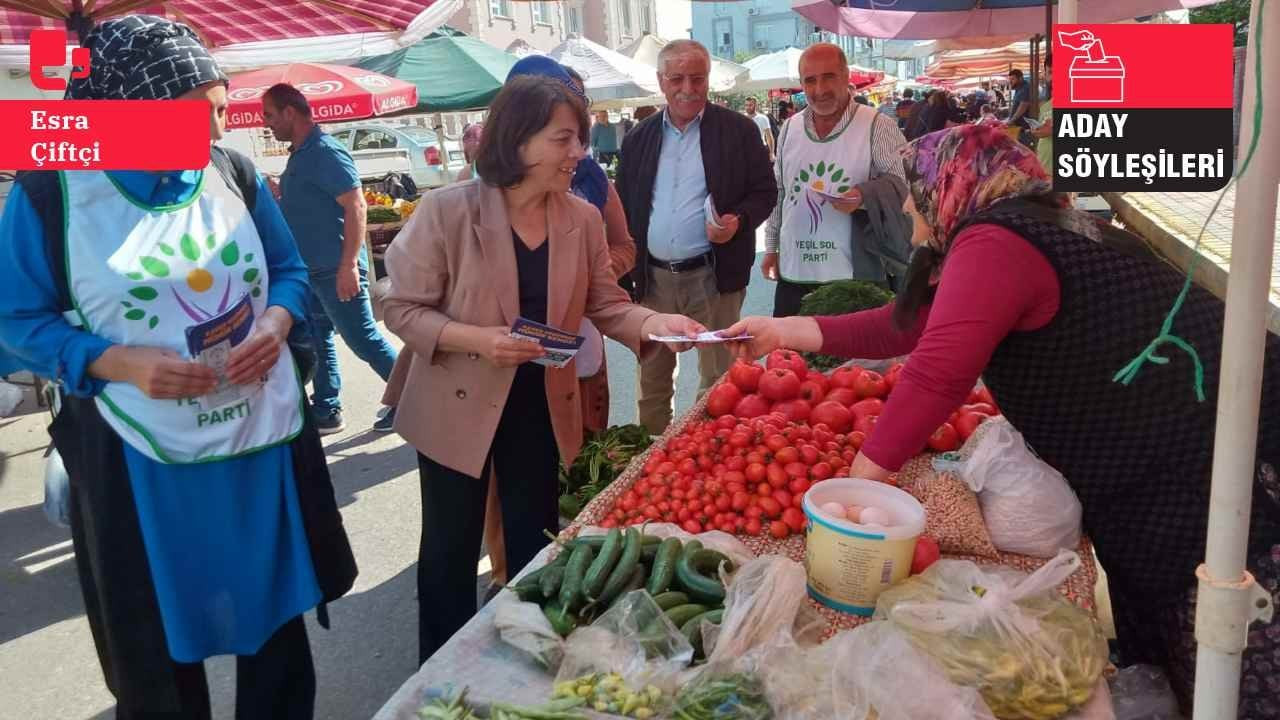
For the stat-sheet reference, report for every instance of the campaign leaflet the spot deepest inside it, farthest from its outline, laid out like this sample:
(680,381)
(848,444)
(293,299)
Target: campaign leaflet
(709,337)
(210,344)
(560,346)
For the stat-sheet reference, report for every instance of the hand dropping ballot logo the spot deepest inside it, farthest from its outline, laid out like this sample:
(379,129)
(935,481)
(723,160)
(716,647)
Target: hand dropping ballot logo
(49,50)
(1095,75)
(1142,108)
(96,134)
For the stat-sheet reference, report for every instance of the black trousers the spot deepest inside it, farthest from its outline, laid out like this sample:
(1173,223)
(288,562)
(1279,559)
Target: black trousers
(787,296)
(527,462)
(276,683)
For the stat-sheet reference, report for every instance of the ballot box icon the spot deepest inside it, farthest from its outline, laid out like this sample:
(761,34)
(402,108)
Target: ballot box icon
(1095,76)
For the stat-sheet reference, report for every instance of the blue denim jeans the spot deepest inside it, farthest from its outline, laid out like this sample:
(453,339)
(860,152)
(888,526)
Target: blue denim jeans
(353,320)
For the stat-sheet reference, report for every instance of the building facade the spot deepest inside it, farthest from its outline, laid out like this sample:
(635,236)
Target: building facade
(611,23)
(541,26)
(502,23)
(738,30)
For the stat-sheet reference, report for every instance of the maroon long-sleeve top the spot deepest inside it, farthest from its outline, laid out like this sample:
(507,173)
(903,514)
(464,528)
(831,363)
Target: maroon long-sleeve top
(992,283)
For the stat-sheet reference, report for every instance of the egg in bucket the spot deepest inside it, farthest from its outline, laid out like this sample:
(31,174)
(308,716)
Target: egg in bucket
(848,563)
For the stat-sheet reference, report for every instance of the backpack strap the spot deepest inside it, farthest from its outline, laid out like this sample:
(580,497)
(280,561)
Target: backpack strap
(43,189)
(238,172)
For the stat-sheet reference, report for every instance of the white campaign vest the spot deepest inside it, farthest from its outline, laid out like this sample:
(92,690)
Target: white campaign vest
(141,276)
(815,239)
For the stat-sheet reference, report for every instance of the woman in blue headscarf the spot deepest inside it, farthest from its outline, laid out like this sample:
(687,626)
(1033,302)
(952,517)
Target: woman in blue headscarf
(202,513)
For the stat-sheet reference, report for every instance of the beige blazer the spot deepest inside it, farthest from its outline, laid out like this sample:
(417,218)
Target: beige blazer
(455,262)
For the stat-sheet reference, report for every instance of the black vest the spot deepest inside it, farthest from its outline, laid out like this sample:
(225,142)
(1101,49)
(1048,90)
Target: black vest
(1138,456)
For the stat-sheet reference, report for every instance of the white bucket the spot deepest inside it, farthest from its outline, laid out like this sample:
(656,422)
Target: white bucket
(849,564)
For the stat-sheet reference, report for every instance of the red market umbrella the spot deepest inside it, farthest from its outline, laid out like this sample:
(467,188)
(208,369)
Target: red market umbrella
(336,92)
(245,34)
(861,77)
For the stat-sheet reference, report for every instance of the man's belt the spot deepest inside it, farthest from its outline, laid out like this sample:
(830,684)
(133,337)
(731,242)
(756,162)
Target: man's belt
(679,266)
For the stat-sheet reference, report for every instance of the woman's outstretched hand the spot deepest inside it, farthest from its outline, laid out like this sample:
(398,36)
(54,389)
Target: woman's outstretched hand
(769,334)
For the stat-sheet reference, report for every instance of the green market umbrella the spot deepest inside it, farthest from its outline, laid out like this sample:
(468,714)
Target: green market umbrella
(452,70)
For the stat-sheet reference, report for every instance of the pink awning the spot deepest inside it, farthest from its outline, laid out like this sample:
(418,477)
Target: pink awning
(929,22)
(249,33)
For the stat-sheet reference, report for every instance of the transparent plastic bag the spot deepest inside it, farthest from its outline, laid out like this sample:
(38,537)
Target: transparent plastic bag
(1027,505)
(1029,652)
(1098,707)
(633,639)
(875,673)
(57,490)
(723,693)
(524,626)
(10,398)
(1142,692)
(767,629)
(765,608)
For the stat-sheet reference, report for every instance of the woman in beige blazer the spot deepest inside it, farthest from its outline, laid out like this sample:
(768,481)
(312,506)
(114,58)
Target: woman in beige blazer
(474,257)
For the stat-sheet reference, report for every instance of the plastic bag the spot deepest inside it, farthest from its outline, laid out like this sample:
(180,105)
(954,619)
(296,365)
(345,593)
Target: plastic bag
(523,626)
(1029,652)
(765,608)
(57,490)
(1098,707)
(633,639)
(875,673)
(10,398)
(1142,692)
(723,694)
(767,629)
(1027,505)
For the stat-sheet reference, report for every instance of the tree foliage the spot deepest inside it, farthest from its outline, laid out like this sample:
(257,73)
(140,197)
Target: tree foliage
(1234,12)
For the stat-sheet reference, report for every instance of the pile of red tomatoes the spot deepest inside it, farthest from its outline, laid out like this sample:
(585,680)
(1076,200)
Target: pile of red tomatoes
(775,429)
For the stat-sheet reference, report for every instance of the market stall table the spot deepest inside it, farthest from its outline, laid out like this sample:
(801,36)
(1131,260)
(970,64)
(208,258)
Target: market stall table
(475,658)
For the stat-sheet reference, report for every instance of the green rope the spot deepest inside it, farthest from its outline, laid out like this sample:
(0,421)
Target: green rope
(1148,355)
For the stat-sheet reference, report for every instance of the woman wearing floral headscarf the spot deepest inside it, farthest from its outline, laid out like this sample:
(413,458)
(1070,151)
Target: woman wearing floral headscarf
(202,513)
(1046,306)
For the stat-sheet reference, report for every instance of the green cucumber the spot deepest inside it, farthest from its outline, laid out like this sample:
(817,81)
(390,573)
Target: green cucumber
(622,571)
(597,541)
(670,599)
(681,614)
(571,587)
(664,566)
(550,582)
(593,581)
(702,588)
(528,593)
(692,629)
(708,561)
(561,621)
(533,577)
(636,582)
(648,551)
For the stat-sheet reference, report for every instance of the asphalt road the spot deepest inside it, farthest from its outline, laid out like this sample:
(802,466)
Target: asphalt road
(48,666)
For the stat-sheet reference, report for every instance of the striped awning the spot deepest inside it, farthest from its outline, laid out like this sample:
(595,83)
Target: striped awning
(249,33)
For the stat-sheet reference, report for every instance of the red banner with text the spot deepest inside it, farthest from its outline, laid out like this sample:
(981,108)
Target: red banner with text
(104,134)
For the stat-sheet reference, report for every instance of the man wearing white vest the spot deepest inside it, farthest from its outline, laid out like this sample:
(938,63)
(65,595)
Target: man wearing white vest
(833,159)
